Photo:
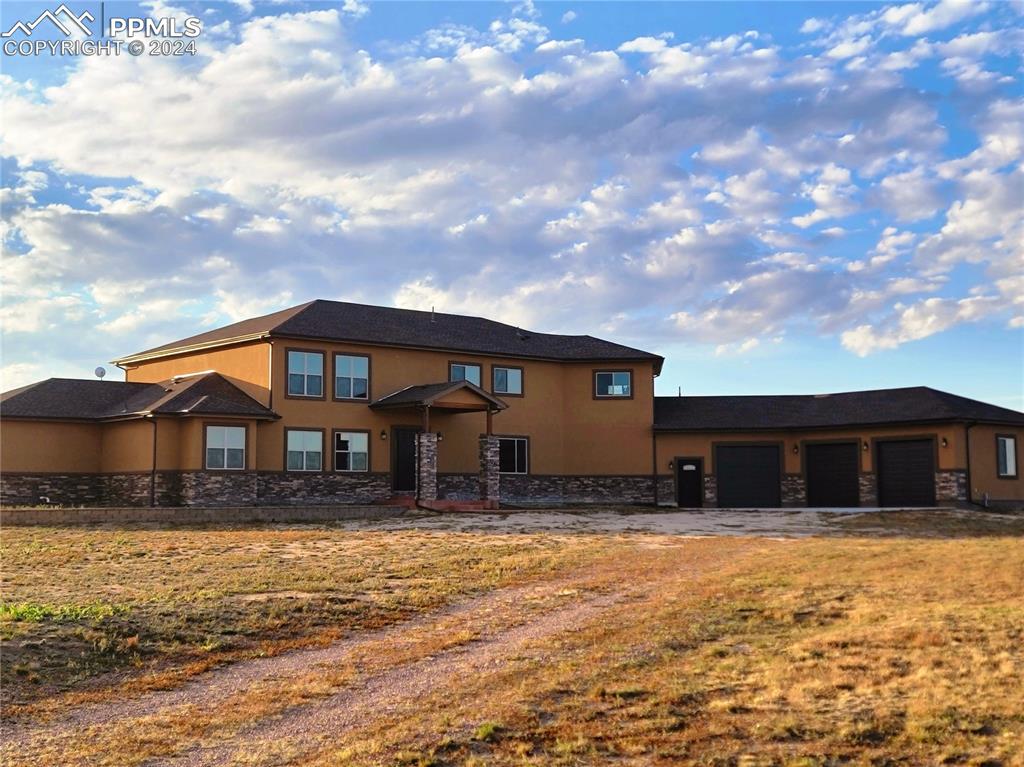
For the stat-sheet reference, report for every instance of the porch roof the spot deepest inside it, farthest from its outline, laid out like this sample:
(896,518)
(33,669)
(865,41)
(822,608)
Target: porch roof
(450,395)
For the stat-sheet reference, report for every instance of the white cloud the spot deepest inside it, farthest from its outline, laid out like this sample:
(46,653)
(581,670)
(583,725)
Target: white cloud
(849,48)
(568,17)
(355,8)
(910,196)
(917,19)
(813,26)
(912,323)
(833,196)
(499,172)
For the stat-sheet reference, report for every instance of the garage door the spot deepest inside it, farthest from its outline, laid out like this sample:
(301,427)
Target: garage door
(748,476)
(906,473)
(832,477)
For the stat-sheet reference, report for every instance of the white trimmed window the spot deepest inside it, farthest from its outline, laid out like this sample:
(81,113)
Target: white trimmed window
(351,376)
(1006,456)
(513,455)
(225,447)
(508,380)
(305,374)
(459,371)
(305,450)
(613,383)
(351,451)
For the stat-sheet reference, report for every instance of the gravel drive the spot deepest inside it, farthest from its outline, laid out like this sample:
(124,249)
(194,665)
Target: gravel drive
(305,729)
(770,523)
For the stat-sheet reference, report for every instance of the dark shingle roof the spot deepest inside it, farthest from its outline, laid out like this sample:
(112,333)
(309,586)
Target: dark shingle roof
(809,411)
(77,399)
(71,398)
(360,323)
(425,394)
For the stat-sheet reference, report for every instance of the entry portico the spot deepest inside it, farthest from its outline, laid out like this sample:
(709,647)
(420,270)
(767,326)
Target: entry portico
(453,398)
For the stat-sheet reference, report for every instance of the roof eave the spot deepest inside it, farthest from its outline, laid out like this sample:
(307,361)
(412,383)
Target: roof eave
(824,427)
(146,356)
(652,358)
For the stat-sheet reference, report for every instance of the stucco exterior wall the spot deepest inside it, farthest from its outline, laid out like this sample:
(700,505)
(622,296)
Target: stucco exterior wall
(126,446)
(246,365)
(49,446)
(570,432)
(700,445)
(984,477)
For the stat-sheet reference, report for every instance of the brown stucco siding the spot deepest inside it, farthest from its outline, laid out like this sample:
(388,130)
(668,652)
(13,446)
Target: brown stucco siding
(570,433)
(984,478)
(127,446)
(114,447)
(951,459)
(246,365)
(670,445)
(50,446)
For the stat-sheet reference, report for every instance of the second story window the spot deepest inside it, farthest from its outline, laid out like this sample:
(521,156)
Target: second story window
(462,371)
(613,383)
(351,376)
(305,450)
(508,380)
(305,374)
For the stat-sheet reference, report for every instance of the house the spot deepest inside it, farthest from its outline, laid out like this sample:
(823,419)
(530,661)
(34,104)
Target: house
(331,402)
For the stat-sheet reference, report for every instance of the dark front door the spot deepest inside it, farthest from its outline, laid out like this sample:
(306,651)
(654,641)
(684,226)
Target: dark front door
(403,459)
(749,476)
(832,475)
(690,482)
(906,473)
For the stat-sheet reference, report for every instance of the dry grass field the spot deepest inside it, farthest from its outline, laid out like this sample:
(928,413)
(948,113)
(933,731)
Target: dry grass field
(881,640)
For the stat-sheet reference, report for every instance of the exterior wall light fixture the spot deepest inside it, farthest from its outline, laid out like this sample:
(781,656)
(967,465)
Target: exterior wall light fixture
(671,464)
(945,442)
(383,434)
(796,449)
(866,446)
(440,437)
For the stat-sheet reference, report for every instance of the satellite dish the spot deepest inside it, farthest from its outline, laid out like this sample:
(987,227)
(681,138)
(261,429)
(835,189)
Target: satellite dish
(100,372)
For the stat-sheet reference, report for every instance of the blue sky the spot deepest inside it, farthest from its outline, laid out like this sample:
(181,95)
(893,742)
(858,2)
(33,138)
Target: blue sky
(777,197)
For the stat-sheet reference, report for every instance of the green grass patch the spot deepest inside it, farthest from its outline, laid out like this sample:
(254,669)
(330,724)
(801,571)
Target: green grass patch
(36,612)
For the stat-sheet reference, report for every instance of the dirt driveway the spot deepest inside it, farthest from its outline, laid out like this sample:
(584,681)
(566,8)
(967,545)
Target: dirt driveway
(580,637)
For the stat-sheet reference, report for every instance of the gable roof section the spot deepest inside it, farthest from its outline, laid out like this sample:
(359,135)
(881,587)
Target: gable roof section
(86,400)
(814,411)
(387,326)
(428,394)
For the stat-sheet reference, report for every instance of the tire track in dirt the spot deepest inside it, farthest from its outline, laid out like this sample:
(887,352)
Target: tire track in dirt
(502,606)
(312,726)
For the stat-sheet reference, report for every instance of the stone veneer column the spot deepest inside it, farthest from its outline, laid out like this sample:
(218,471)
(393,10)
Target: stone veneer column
(710,490)
(951,486)
(868,490)
(426,466)
(490,479)
(794,491)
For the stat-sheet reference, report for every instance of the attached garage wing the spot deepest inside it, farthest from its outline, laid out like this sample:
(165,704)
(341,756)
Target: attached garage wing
(832,474)
(906,472)
(749,476)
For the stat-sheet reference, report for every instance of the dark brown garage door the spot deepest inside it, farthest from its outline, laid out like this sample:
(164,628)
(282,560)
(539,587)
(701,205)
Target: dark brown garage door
(906,473)
(748,476)
(832,477)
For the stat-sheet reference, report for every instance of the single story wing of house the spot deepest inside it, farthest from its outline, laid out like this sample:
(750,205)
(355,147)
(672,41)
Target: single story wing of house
(331,403)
